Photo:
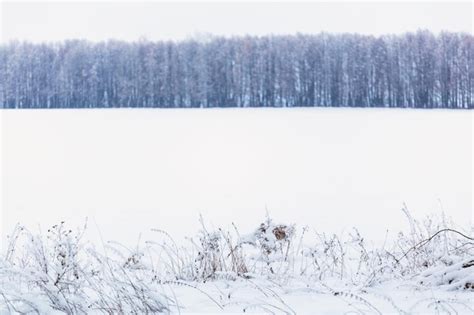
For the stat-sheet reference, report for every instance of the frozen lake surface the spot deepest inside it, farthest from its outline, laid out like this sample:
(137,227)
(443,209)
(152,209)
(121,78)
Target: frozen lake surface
(129,170)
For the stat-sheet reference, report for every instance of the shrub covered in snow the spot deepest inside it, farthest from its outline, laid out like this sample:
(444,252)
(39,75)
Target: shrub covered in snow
(56,272)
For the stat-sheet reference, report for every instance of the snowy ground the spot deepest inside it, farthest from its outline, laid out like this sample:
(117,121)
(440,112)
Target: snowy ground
(428,270)
(132,170)
(391,298)
(129,171)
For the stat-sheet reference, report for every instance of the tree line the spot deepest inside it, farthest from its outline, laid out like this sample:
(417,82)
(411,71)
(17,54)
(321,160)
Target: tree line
(415,70)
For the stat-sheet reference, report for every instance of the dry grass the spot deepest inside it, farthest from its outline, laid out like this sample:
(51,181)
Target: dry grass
(58,271)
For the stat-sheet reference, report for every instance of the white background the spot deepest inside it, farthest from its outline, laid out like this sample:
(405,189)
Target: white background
(52,21)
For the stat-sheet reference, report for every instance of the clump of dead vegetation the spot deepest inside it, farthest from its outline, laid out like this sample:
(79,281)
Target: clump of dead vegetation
(57,271)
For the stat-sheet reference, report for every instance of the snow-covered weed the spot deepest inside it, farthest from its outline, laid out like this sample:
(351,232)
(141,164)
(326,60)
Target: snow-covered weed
(55,272)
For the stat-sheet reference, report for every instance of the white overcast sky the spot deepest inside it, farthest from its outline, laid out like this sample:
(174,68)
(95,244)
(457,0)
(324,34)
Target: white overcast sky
(51,21)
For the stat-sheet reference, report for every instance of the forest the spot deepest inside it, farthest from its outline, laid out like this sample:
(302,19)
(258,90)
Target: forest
(411,70)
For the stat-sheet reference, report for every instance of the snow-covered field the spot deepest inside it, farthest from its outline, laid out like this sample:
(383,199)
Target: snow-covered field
(130,171)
